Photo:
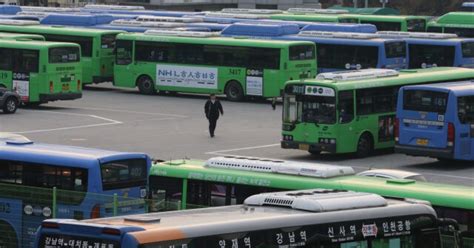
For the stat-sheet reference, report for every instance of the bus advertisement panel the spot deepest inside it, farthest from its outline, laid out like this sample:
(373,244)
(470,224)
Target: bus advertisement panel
(436,120)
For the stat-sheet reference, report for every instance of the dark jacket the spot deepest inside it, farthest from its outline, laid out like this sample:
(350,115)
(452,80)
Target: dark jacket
(212,109)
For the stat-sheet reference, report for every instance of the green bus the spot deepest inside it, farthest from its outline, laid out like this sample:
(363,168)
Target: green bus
(220,181)
(16,36)
(460,23)
(393,22)
(97,46)
(203,62)
(41,71)
(351,111)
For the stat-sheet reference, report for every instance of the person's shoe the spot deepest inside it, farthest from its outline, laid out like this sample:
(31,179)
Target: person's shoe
(212,135)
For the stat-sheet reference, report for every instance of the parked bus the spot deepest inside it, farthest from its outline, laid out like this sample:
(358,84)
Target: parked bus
(335,50)
(436,120)
(97,46)
(351,111)
(342,18)
(86,181)
(311,218)
(202,62)
(460,23)
(427,50)
(184,184)
(467,6)
(394,23)
(40,71)
(81,20)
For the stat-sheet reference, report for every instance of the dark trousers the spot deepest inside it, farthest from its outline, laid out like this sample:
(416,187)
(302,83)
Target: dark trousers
(212,125)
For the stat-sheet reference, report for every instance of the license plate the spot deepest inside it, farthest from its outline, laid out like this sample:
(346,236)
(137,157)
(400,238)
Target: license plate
(422,142)
(65,87)
(304,147)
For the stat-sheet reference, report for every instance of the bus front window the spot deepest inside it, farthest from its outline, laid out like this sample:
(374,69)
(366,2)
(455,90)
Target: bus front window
(319,109)
(124,174)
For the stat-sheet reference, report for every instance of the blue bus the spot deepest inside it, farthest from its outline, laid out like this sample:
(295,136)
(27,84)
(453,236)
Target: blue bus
(467,6)
(436,120)
(425,50)
(141,27)
(86,181)
(82,20)
(336,50)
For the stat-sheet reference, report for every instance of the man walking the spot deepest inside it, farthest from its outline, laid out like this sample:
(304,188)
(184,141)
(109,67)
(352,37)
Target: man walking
(212,109)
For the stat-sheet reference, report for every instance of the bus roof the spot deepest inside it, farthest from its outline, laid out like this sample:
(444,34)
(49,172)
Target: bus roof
(34,44)
(343,37)
(466,18)
(149,228)
(453,195)
(368,11)
(411,76)
(461,88)
(306,17)
(238,41)
(21,36)
(28,151)
(61,30)
(386,18)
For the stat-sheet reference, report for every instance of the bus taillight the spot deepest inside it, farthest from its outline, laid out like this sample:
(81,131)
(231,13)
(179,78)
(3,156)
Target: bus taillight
(111,231)
(78,85)
(95,212)
(47,224)
(51,86)
(451,134)
(396,129)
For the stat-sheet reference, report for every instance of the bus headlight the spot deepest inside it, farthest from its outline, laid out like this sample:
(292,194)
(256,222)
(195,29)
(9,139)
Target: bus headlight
(287,137)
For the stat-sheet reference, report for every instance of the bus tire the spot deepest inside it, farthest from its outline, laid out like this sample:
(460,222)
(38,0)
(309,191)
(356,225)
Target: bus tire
(8,237)
(234,91)
(145,85)
(10,106)
(364,145)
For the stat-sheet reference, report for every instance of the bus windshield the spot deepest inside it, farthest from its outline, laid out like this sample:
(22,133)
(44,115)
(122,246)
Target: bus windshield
(64,55)
(416,25)
(395,49)
(423,100)
(468,49)
(466,109)
(302,52)
(318,109)
(124,174)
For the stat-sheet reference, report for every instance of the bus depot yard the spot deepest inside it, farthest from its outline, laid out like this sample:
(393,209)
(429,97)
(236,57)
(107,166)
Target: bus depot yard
(174,127)
(367,121)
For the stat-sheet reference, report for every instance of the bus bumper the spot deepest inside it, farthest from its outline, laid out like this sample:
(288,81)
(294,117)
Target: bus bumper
(97,79)
(309,147)
(59,96)
(424,151)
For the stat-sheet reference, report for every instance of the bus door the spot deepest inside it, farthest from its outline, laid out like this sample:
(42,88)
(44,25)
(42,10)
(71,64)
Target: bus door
(466,127)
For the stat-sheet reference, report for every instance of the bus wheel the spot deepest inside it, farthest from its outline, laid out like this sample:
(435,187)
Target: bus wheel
(146,86)
(10,106)
(314,153)
(8,237)
(364,146)
(234,91)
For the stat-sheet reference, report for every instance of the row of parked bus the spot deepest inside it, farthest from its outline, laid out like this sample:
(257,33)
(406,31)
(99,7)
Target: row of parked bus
(42,181)
(243,59)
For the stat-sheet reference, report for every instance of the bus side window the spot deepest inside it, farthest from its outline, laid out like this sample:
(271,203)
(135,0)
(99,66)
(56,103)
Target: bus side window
(26,61)
(166,193)
(6,59)
(10,172)
(466,110)
(346,106)
(124,52)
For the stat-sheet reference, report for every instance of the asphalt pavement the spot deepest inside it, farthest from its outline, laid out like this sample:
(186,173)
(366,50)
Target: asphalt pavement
(175,127)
